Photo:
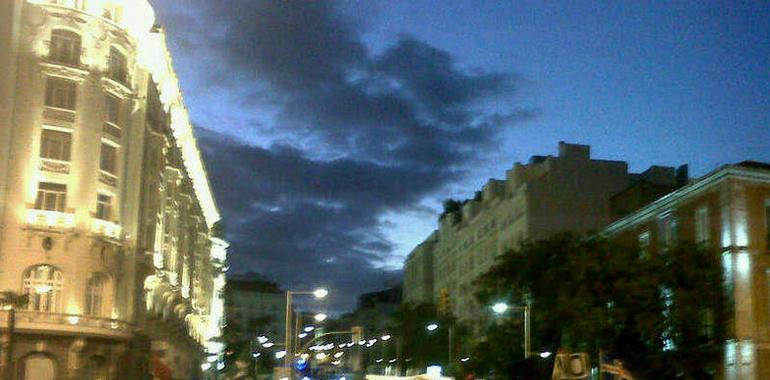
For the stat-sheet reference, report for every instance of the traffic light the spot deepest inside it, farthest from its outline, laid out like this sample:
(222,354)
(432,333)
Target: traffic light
(444,303)
(358,334)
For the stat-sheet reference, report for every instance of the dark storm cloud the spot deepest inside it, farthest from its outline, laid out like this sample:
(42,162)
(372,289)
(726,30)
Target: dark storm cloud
(406,121)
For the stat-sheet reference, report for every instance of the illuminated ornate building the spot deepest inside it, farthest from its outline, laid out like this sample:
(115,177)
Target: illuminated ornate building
(106,215)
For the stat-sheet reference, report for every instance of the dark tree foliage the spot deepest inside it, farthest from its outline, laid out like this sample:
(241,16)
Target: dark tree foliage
(590,295)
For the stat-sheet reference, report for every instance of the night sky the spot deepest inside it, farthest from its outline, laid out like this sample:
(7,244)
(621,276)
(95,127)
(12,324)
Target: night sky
(332,130)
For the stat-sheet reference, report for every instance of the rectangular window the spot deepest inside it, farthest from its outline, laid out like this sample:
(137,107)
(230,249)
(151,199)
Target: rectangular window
(103,207)
(702,225)
(55,145)
(51,197)
(644,245)
(107,158)
(61,93)
(668,231)
(111,109)
(117,67)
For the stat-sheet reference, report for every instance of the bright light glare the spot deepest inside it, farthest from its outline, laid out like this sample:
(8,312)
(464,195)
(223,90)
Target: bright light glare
(302,335)
(205,366)
(309,329)
(280,354)
(465,359)
(500,308)
(434,371)
(268,345)
(262,339)
(320,317)
(320,356)
(385,337)
(339,354)
(73,319)
(43,288)
(256,354)
(320,293)
(545,355)
(431,327)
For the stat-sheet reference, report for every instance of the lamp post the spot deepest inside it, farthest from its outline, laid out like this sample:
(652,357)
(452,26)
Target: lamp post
(501,307)
(288,340)
(433,326)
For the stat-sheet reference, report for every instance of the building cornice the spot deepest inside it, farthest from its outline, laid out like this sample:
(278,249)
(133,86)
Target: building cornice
(696,188)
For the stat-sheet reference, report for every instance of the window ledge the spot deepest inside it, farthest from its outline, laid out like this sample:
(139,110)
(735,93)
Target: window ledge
(108,178)
(107,229)
(50,219)
(122,90)
(63,70)
(54,166)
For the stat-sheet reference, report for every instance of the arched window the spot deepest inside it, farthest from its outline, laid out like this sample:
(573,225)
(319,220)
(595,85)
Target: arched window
(38,366)
(65,47)
(43,283)
(98,295)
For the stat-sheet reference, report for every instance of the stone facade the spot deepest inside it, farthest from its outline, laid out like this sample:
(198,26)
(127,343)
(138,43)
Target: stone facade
(257,307)
(549,195)
(106,214)
(727,210)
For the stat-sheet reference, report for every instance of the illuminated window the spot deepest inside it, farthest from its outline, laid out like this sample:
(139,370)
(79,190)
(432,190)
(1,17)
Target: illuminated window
(702,225)
(43,284)
(55,145)
(668,231)
(117,66)
(65,47)
(113,12)
(95,296)
(37,366)
(644,245)
(61,93)
(103,207)
(111,109)
(107,158)
(51,196)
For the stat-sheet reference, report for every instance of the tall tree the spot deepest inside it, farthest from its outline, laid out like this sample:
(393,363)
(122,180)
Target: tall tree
(662,313)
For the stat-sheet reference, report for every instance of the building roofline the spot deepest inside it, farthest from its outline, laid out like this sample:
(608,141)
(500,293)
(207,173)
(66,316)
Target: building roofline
(703,183)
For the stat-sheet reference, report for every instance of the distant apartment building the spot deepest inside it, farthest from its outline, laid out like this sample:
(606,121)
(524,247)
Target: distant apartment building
(727,210)
(256,307)
(548,195)
(107,220)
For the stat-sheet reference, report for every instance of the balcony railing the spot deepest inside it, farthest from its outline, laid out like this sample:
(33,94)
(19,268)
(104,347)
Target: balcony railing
(54,166)
(66,323)
(50,219)
(107,229)
(108,179)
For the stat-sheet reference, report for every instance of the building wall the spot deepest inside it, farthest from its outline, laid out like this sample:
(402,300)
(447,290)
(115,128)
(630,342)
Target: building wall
(245,306)
(159,265)
(735,200)
(549,195)
(418,273)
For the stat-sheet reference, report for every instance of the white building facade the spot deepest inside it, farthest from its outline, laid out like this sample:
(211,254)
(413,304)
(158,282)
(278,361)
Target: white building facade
(106,215)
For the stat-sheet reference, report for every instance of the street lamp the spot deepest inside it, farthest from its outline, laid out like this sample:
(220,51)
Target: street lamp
(501,307)
(318,294)
(431,327)
(320,317)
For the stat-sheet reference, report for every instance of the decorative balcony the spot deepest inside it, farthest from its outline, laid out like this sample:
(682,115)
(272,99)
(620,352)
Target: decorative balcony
(107,229)
(50,219)
(54,166)
(111,131)
(59,114)
(108,179)
(34,321)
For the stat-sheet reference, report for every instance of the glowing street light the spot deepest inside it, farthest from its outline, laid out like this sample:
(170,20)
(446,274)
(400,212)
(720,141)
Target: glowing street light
(385,337)
(545,355)
(280,354)
(500,307)
(320,293)
(320,317)
(268,345)
(262,339)
(302,335)
(465,359)
(431,327)
(309,329)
